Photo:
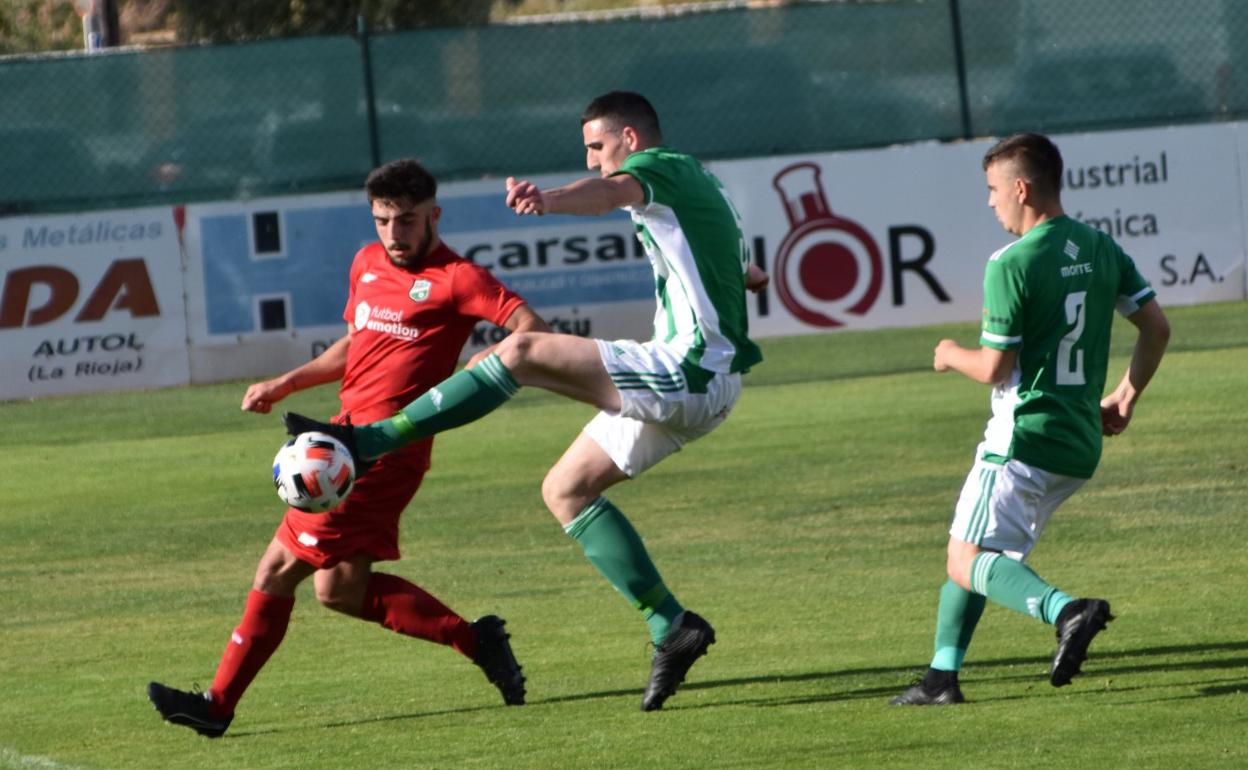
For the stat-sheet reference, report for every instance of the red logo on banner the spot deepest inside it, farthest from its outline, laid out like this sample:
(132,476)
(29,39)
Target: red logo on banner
(827,267)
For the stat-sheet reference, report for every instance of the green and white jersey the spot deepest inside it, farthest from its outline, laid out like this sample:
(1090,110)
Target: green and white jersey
(1051,296)
(692,234)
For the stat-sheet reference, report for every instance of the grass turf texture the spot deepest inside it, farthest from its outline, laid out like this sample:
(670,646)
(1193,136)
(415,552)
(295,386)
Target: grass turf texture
(809,530)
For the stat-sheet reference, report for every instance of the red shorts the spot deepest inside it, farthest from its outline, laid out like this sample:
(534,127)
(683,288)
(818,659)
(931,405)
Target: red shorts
(367,522)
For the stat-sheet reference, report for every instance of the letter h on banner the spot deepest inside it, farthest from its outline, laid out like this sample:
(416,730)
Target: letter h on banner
(271,270)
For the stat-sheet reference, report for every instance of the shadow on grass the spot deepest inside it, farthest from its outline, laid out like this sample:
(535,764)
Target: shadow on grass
(368,721)
(1102,664)
(1230,689)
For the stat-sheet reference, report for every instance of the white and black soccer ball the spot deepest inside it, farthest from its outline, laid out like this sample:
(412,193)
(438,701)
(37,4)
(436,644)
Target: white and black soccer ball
(313,472)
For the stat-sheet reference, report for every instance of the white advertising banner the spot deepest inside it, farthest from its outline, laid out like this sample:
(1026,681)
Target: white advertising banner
(899,236)
(1171,197)
(859,240)
(866,239)
(91,302)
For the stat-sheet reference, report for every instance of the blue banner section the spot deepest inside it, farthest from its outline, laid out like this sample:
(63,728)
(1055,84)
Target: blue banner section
(577,287)
(311,268)
(311,251)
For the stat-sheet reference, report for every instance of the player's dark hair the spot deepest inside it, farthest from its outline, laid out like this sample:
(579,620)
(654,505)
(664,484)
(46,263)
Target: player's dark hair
(401,180)
(1038,159)
(625,108)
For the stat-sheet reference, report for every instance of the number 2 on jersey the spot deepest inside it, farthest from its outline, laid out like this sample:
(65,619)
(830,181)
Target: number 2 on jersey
(1070,360)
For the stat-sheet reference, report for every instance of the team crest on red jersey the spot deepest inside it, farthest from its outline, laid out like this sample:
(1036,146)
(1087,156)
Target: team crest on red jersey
(420,290)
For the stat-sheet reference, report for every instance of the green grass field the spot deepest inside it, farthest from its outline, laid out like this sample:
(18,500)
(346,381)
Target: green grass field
(810,529)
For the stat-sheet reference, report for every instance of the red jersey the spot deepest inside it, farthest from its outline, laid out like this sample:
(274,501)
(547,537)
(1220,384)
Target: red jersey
(408,326)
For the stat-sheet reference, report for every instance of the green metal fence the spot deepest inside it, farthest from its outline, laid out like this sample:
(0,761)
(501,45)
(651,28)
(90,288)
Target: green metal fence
(125,128)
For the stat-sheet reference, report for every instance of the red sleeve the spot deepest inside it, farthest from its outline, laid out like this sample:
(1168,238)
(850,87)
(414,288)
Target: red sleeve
(480,295)
(353,280)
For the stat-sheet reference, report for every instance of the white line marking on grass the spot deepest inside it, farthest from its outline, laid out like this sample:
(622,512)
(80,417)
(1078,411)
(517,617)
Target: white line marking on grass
(11,760)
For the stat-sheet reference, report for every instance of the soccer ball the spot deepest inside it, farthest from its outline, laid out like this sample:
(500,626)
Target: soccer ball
(313,472)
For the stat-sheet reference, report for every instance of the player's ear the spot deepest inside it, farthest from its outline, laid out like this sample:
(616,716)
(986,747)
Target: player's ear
(631,140)
(436,214)
(1022,189)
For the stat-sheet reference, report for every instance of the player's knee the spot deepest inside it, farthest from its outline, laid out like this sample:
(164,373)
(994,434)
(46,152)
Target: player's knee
(959,571)
(279,573)
(553,491)
(339,596)
(516,349)
(328,596)
(564,499)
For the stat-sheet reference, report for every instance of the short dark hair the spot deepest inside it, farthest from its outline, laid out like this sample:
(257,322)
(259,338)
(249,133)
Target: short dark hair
(626,108)
(401,180)
(1039,161)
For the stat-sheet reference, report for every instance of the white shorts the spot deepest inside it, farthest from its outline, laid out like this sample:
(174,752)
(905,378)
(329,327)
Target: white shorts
(659,409)
(1005,507)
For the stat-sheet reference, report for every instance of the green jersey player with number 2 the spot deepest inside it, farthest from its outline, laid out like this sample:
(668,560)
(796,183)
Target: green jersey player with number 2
(1049,300)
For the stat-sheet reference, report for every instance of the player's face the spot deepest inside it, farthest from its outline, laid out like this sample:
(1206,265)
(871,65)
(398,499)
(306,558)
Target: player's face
(605,147)
(407,231)
(1006,190)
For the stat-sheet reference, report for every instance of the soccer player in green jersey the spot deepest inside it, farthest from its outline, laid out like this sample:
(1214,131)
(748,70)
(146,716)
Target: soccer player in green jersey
(655,396)
(1049,299)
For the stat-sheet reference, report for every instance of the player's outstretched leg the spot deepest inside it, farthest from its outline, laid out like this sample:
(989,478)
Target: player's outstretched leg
(1078,623)
(463,397)
(496,659)
(190,709)
(687,641)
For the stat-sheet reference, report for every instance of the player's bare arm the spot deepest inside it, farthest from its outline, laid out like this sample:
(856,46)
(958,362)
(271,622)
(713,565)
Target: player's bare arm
(590,196)
(1150,346)
(327,367)
(985,365)
(523,319)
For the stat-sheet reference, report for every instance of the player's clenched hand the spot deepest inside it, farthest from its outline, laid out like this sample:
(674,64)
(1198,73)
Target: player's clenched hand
(524,197)
(1115,415)
(261,396)
(940,359)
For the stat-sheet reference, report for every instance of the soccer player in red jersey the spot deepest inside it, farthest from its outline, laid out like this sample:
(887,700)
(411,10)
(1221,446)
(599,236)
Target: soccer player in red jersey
(412,305)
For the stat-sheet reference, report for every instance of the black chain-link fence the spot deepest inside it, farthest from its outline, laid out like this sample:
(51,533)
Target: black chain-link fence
(124,128)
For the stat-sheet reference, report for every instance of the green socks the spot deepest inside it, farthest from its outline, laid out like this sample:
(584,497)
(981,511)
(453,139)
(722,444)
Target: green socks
(1012,584)
(614,547)
(463,397)
(1005,581)
(956,619)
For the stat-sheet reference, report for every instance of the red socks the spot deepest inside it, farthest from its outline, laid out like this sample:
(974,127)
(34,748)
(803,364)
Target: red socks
(257,636)
(404,607)
(391,601)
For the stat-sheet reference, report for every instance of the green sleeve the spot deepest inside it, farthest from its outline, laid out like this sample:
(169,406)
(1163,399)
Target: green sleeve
(1133,289)
(1002,326)
(655,175)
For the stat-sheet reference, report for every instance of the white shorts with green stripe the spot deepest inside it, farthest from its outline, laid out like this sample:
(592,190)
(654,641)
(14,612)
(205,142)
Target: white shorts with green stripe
(660,410)
(1005,507)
